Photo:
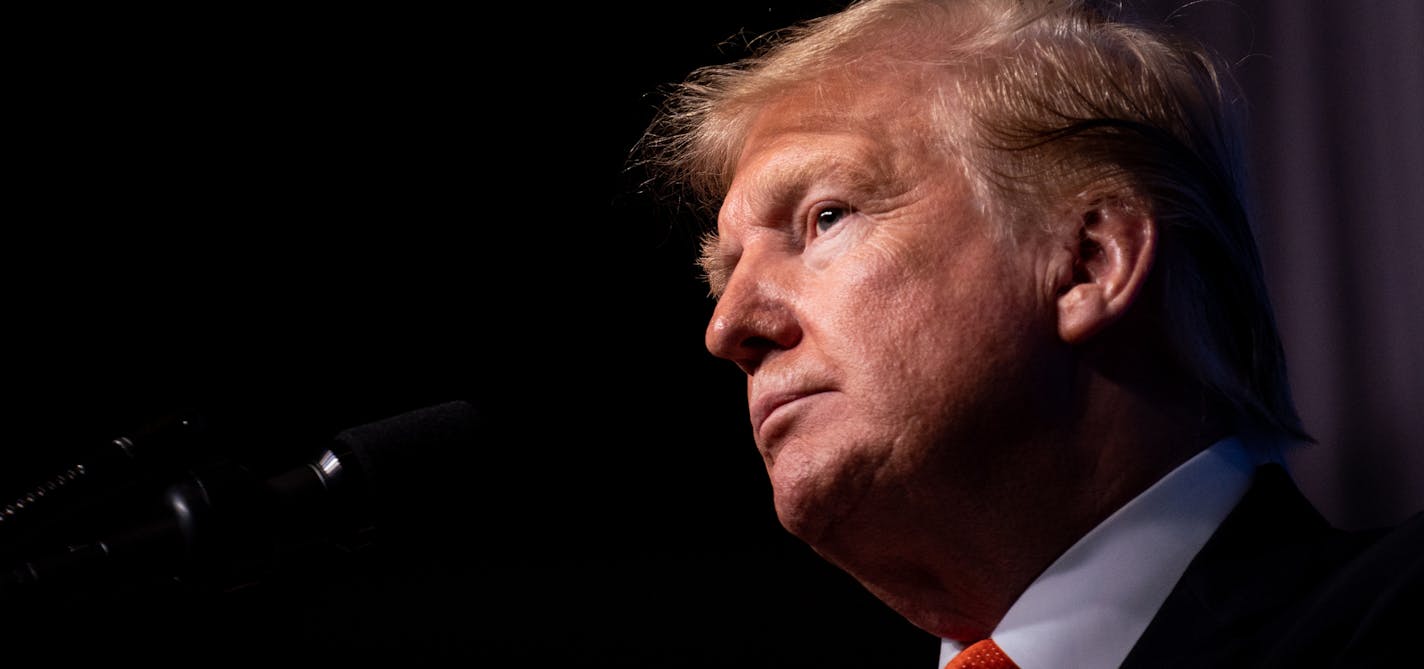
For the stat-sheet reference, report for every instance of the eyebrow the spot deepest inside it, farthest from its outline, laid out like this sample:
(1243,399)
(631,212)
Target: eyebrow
(862,174)
(716,266)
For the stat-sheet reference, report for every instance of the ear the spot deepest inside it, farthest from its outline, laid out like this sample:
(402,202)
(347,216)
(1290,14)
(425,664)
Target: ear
(1116,246)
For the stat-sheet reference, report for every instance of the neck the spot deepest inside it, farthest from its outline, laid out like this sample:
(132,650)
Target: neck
(960,555)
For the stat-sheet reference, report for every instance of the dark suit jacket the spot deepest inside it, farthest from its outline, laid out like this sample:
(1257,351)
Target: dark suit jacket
(1277,586)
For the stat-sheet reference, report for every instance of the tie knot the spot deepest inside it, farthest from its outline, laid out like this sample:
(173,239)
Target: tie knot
(982,655)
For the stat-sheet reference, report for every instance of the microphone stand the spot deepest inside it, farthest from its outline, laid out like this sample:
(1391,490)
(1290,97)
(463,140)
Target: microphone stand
(219,527)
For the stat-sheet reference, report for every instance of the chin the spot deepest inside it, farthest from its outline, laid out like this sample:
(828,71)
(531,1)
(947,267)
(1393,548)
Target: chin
(816,489)
(802,519)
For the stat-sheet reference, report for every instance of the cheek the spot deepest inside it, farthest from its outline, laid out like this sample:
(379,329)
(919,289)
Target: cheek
(879,279)
(925,328)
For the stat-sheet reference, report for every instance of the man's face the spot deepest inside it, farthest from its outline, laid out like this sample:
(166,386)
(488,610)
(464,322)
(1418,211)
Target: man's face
(889,335)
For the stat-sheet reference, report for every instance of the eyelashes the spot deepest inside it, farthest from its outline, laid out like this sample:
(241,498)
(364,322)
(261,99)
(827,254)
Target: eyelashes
(827,217)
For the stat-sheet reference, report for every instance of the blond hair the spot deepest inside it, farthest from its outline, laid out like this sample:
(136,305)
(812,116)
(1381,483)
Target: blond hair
(1042,101)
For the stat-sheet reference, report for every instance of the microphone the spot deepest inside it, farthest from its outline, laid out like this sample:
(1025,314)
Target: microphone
(99,472)
(221,524)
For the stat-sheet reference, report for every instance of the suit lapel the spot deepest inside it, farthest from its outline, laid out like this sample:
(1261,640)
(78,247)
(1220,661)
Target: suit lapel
(1264,554)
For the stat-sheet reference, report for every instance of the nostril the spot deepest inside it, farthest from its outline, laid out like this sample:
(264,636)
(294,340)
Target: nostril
(758,344)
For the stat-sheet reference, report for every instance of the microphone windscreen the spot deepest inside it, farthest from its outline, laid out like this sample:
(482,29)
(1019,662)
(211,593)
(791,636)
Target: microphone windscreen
(401,452)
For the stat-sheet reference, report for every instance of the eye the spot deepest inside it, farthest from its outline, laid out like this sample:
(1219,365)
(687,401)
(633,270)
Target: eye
(828,217)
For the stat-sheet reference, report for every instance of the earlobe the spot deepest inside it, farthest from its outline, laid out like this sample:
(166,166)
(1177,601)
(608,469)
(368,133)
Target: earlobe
(1112,259)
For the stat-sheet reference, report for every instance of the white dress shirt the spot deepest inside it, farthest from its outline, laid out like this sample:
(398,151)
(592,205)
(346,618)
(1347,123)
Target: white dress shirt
(1090,606)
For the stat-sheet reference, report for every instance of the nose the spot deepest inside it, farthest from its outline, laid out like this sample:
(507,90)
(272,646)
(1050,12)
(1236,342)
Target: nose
(754,318)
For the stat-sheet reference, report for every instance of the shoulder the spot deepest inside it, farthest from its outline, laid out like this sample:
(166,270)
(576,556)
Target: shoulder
(1363,611)
(1277,586)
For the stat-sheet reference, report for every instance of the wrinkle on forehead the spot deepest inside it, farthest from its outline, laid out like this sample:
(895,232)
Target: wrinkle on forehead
(790,163)
(890,104)
(872,127)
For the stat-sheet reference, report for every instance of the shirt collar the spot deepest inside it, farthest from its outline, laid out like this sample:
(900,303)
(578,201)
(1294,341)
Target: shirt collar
(1092,604)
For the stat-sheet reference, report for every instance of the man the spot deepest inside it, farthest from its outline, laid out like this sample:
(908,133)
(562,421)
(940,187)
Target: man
(1010,360)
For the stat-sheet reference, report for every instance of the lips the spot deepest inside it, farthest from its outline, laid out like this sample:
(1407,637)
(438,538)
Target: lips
(763,406)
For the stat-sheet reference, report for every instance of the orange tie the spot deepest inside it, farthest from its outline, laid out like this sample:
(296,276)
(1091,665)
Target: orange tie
(982,655)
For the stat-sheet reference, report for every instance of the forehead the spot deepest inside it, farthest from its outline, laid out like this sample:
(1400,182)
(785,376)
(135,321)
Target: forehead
(891,108)
(860,129)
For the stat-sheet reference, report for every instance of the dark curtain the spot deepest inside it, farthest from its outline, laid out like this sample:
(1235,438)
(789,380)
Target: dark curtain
(1336,150)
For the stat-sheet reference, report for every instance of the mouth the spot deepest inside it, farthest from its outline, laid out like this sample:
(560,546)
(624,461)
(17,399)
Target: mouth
(767,406)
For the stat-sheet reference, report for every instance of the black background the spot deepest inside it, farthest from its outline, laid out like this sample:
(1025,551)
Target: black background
(296,221)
